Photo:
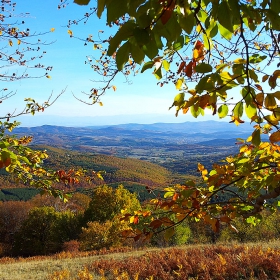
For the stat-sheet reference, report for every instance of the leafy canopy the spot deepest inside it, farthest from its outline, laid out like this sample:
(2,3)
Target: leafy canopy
(222,56)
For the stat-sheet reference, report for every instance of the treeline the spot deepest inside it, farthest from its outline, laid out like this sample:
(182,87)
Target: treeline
(45,225)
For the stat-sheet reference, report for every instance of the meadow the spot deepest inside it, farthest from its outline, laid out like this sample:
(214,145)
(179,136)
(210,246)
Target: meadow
(218,262)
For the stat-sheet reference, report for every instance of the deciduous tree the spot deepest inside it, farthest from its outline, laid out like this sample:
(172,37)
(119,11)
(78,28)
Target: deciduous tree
(222,56)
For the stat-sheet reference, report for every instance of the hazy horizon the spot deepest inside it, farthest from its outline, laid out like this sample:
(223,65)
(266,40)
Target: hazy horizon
(81,121)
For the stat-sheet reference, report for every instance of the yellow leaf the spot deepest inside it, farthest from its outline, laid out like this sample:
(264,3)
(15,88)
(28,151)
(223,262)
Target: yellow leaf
(114,88)
(100,103)
(49,77)
(52,29)
(10,42)
(70,33)
(240,61)
(18,42)
(270,102)
(179,84)
(200,167)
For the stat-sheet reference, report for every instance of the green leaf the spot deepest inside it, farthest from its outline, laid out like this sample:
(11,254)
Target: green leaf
(122,55)
(203,68)
(223,111)
(158,73)
(169,233)
(274,19)
(116,9)
(207,42)
(123,34)
(204,84)
(100,7)
(225,32)
(147,65)
(256,58)
(179,99)
(179,43)
(225,16)
(151,49)
(275,6)
(142,36)
(251,220)
(195,111)
(82,2)
(238,110)
(256,137)
(253,75)
(235,11)
(187,21)
(137,54)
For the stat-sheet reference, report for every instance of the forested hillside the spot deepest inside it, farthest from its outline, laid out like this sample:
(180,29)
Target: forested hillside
(134,174)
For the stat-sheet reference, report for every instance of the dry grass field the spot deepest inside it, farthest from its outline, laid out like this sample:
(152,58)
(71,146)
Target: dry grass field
(232,261)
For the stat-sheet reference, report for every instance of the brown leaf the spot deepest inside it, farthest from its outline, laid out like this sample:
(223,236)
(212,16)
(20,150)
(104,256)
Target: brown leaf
(275,137)
(189,69)
(167,11)
(204,101)
(259,100)
(181,67)
(156,224)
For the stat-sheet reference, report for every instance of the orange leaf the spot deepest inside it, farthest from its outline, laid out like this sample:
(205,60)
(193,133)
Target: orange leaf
(185,110)
(7,162)
(200,167)
(175,196)
(225,219)
(136,220)
(198,52)
(275,137)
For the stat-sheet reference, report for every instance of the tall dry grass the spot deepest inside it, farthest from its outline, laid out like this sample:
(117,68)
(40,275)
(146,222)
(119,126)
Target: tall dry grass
(202,262)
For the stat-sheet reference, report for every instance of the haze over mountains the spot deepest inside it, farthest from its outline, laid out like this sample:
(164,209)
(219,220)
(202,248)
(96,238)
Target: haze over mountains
(176,146)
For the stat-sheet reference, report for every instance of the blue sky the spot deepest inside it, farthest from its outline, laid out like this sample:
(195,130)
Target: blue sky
(142,101)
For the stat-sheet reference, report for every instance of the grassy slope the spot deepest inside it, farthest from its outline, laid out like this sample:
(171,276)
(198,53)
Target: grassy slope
(233,261)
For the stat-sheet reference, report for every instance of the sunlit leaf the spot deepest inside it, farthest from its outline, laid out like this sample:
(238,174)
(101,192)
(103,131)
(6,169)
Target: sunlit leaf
(275,137)
(223,111)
